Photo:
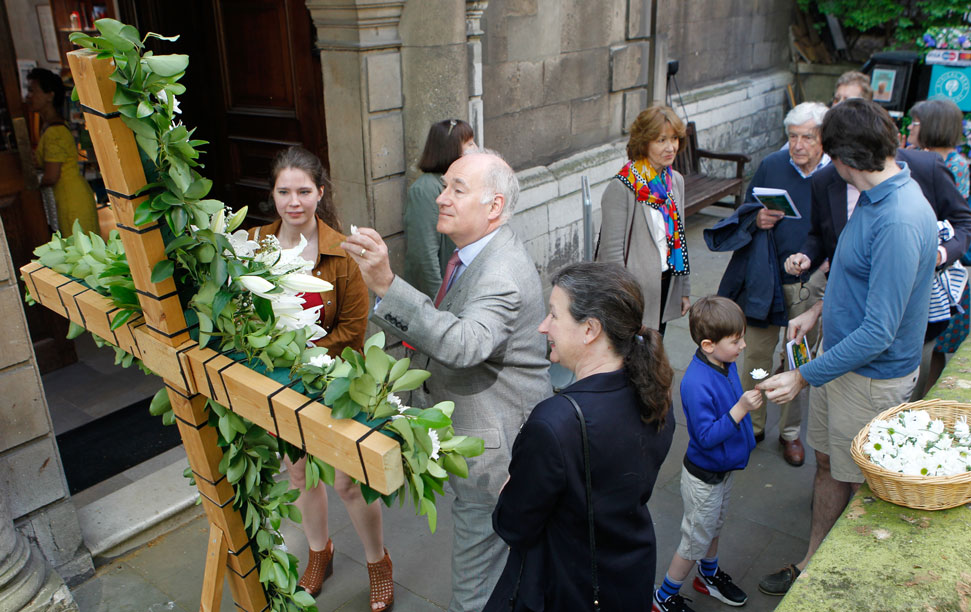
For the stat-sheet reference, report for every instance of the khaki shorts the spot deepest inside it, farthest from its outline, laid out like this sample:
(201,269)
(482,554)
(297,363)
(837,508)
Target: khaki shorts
(704,513)
(842,407)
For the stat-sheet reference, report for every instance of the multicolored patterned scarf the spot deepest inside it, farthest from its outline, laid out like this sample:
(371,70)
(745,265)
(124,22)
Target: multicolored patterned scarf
(654,189)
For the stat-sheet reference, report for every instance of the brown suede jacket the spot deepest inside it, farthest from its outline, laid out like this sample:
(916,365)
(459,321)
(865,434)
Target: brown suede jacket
(345,311)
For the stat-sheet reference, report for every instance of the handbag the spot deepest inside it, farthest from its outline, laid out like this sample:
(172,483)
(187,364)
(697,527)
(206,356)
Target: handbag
(590,525)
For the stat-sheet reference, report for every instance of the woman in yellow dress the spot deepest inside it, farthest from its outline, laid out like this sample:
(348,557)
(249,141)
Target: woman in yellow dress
(57,154)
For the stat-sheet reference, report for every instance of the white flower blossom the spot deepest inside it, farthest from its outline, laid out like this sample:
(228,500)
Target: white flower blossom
(759,374)
(304,283)
(256,284)
(243,247)
(163,97)
(354,231)
(915,444)
(321,361)
(436,445)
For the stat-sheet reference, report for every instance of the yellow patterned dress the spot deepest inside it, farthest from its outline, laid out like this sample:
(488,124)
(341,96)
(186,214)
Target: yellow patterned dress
(73,195)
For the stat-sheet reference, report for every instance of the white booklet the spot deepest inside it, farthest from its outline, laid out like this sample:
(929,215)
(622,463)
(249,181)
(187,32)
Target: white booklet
(777,199)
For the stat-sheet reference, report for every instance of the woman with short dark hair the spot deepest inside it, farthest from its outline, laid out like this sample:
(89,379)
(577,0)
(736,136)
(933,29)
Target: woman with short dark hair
(57,155)
(643,216)
(576,536)
(427,251)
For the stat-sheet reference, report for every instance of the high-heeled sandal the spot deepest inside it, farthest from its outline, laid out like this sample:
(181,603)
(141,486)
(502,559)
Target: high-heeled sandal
(320,566)
(382,583)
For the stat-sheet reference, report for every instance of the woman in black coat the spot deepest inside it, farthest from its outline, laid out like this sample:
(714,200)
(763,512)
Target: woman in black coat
(624,390)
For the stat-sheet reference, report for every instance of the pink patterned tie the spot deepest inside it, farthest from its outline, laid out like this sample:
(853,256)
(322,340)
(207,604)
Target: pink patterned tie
(453,263)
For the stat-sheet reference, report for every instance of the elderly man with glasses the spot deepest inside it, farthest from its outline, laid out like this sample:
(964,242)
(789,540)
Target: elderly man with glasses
(762,239)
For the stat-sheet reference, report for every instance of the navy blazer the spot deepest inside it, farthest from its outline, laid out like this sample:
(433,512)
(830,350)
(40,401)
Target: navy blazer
(935,180)
(542,512)
(752,278)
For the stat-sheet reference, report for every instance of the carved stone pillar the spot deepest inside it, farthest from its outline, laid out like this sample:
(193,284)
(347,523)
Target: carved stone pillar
(27,584)
(473,30)
(360,55)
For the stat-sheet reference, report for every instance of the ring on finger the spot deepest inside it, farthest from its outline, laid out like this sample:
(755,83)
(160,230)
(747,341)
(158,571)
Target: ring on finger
(363,252)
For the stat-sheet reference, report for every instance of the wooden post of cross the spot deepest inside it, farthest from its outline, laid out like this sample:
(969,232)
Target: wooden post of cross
(160,338)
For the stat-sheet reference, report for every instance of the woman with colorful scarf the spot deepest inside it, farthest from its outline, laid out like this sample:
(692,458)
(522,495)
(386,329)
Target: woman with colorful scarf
(643,217)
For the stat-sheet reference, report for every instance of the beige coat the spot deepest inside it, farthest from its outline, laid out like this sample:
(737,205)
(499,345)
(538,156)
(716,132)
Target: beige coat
(619,208)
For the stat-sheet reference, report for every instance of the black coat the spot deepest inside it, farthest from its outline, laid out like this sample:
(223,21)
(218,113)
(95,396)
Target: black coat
(935,180)
(542,511)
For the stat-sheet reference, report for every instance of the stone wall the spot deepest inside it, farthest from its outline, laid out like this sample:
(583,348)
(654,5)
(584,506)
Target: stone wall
(560,76)
(742,115)
(31,476)
(718,40)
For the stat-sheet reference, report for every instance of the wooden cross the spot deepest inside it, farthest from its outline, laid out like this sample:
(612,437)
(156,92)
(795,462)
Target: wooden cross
(160,338)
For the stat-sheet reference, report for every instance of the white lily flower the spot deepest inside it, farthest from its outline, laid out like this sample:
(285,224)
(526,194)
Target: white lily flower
(354,231)
(236,219)
(163,97)
(759,373)
(218,221)
(304,283)
(256,284)
(243,247)
(436,444)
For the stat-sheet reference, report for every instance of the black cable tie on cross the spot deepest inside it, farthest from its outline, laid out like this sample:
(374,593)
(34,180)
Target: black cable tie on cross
(201,477)
(84,322)
(118,194)
(303,442)
(57,290)
(222,380)
(360,455)
(205,370)
(108,317)
(97,113)
(193,426)
(269,403)
(135,230)
(184,330)
(157,298)
(178,355)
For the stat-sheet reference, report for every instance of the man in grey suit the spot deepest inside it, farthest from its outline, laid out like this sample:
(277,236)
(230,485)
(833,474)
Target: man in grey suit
(484,351)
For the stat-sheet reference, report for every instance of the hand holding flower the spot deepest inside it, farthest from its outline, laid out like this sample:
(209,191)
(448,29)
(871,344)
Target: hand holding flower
(371,254)
(783,388)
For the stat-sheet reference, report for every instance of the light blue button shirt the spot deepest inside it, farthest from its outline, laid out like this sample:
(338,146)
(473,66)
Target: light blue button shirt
(468,253)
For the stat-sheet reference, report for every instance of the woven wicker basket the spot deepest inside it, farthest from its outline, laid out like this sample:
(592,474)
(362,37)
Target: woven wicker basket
(919,492)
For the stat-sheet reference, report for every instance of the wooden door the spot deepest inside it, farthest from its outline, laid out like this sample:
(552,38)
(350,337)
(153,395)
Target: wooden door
(20,206)
(254,85)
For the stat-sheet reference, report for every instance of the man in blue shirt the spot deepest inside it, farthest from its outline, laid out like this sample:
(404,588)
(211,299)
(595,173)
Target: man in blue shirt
(874,312)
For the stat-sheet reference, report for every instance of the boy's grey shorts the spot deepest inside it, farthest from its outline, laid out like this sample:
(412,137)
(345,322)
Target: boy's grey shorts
(704,513)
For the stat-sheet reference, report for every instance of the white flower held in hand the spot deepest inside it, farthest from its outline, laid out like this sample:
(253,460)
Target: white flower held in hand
(759,373)
(354,231)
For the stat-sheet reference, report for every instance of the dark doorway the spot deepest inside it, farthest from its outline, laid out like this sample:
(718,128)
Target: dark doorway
(254,85)
(20,206)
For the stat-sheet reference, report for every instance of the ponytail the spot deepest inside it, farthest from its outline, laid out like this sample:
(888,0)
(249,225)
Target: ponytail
(651,375)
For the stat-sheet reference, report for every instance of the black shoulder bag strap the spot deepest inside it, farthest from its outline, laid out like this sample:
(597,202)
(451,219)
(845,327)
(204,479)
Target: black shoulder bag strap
(586,469)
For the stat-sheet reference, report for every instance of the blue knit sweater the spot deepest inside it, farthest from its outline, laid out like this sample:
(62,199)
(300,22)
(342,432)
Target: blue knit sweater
(777,172)
(715,441)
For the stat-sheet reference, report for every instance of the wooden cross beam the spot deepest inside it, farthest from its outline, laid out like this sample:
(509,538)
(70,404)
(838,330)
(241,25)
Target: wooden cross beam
(160,338)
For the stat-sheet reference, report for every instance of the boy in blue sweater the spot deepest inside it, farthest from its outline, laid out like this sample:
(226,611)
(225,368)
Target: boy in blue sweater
(720,440)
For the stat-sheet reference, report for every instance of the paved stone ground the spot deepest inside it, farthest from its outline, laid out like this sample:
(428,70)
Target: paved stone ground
(767,526)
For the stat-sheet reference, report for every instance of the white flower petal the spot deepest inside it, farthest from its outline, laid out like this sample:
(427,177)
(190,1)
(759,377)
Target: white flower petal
(256,284)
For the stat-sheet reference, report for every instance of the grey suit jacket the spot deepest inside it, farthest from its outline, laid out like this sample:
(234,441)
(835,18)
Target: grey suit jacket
(484,352)
(620,208)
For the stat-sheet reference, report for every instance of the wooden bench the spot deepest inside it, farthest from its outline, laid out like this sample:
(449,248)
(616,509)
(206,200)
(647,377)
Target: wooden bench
(701,190)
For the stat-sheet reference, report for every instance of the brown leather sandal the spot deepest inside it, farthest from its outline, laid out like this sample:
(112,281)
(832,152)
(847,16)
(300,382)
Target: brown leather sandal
(382,583)
(320,566)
